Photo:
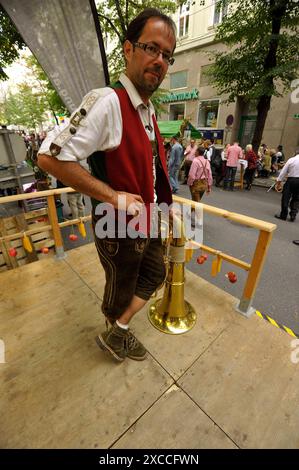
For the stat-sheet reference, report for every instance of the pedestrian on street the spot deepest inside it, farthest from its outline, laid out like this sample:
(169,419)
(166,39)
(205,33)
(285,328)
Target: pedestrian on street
(234,153)
(200,178)
(189,157)
(174,163)
(75,202)
(251,158)
(119,134)
(266,163)
(290,192)
(221,174)
(274,165)
(279,155)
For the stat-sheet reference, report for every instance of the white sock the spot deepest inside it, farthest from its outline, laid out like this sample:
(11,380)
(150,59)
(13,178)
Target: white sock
(121,325)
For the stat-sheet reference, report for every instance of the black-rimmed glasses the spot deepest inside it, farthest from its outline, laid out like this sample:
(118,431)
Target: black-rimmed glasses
(154,51)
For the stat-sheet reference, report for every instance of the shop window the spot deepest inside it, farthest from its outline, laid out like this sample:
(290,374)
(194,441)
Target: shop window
(219,13)
(178,80)
(183,25)
(208,113)
(176,112)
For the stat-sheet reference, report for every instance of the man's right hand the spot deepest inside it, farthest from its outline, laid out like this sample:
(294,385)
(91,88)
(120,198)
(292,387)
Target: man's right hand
(131,203)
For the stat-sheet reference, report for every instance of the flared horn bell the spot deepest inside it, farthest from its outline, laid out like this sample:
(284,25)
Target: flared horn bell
(172,314)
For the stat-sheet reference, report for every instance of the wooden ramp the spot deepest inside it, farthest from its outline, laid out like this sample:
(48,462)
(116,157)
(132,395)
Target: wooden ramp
(228,383)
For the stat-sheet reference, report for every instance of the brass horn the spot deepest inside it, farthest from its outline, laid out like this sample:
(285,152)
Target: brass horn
(172,313)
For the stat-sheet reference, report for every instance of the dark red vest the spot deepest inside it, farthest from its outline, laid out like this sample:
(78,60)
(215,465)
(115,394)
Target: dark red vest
(129,168)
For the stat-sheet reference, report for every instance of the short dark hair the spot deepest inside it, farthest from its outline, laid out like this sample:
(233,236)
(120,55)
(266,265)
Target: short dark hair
(200,150)
(137,25)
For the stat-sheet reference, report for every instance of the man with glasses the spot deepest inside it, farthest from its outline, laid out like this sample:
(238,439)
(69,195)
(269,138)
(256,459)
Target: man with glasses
(116,128)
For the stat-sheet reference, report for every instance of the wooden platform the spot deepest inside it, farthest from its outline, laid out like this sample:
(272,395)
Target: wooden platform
(228,383)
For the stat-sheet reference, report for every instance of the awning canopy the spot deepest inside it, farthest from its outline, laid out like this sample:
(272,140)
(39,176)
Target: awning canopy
(169,129)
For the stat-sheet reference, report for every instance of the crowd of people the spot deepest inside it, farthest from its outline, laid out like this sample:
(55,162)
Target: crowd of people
(199,163)
(33,142)
(220,166)
(202,165)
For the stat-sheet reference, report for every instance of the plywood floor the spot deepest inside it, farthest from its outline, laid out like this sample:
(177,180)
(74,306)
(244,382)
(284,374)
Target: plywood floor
(227,383)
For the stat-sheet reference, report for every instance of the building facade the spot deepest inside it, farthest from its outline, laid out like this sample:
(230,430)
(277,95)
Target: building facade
(192,95)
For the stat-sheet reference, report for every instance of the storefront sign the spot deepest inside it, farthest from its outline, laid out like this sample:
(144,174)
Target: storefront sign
(215,134)
(181,96)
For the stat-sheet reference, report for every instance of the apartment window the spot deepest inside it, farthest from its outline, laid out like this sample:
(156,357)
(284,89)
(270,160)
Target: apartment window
(183,25)
(176,111)
(219,13)
(178,80)
(208,113)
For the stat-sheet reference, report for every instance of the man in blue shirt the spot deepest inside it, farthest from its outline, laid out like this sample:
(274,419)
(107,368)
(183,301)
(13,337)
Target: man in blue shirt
(174,163)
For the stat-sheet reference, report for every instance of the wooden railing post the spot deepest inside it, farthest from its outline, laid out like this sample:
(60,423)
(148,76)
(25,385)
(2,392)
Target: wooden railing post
(55,227)
(254,273)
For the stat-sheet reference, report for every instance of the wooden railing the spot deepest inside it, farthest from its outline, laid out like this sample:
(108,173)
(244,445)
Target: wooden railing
(55,226)
(254,269)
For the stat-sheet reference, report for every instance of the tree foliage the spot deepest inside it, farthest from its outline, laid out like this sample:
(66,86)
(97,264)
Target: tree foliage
(25,108)
(28,106)
(263,52)
(53,101)
(35,97)
(243,70)
(10,43)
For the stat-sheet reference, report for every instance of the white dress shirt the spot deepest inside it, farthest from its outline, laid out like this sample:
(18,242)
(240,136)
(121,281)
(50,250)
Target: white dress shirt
(290,169)
(101,129)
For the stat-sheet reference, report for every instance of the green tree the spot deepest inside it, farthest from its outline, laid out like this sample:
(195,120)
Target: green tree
(114,17)
(52,100)
(10,43)
(46,98)
(263,53)
(26,107)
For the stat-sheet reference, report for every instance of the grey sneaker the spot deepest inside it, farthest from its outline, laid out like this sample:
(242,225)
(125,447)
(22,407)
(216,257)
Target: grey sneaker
(114,341)
(134,349)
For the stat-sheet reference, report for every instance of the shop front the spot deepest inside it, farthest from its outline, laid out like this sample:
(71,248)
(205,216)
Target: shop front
(203,113)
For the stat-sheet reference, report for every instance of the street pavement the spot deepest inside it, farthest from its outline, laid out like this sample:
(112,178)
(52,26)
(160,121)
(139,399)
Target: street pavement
(277,294)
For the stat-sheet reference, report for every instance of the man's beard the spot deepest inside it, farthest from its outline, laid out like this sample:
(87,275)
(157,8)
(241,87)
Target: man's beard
(147,86)
(151,87)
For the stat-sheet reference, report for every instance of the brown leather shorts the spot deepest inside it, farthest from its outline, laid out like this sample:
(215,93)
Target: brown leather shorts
(132,267)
